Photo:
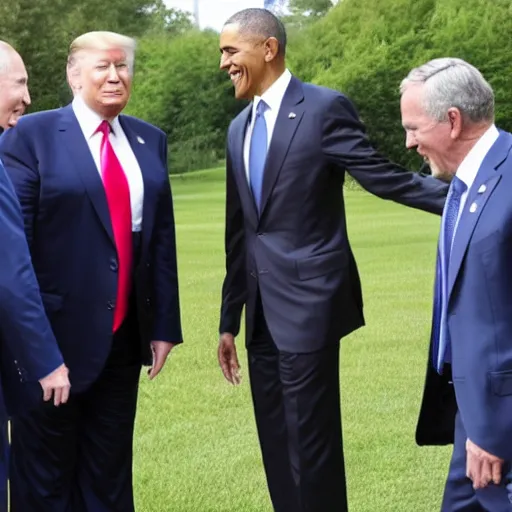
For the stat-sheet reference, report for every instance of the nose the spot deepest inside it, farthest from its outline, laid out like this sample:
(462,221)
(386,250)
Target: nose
(26,97)
(113,76)
(410,141)
(225,62)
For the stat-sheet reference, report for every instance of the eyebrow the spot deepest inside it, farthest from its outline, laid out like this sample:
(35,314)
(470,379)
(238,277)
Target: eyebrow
(227,49)
(108,62)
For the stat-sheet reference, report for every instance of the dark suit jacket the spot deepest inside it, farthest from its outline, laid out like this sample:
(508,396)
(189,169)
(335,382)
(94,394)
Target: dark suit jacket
(479,316)
(69,232)
(28,350)
(297,252)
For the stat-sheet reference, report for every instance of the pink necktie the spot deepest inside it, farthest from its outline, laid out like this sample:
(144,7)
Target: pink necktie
(118,199)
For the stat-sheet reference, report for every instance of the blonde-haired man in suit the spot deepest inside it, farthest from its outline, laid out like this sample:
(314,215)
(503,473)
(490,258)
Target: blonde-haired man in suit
(94,191)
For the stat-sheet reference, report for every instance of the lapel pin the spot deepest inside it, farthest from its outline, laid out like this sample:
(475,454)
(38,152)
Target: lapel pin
(292,115)
(472,208)
(140,140)
(482,189)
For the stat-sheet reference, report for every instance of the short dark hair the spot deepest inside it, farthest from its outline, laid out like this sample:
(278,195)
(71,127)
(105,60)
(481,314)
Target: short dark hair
(260,22)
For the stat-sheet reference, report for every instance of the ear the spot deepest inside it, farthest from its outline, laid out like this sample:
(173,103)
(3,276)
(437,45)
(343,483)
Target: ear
(271,49)
(73,74)
(455,119)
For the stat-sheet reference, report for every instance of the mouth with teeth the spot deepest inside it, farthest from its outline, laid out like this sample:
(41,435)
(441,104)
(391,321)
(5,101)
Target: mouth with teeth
(235,77)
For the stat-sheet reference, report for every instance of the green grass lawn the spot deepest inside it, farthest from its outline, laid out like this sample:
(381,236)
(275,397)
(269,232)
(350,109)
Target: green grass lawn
(195,443)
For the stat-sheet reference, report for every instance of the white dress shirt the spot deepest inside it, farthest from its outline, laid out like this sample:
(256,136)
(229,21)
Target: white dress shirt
(273,97)
(469,167)
(89,122)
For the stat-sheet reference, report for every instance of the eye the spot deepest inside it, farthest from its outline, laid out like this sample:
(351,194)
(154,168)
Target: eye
(121,65)
(102,67)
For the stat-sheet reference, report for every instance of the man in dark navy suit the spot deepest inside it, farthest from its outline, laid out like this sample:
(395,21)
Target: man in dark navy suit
(288,257)
(95,195)
(14,98)
(448,114)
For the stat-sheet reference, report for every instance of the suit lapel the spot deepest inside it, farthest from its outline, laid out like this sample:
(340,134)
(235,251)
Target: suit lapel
(288,119)
(147,162)
(239,131)
(485,182)
(80,155)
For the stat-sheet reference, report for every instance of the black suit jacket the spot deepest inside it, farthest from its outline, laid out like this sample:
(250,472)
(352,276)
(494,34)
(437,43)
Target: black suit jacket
(297,252)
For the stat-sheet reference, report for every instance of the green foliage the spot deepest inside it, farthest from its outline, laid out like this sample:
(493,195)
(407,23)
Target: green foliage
(169,21)
(366,48)
(178,87)
(304,12)
(313,8)
(361,48)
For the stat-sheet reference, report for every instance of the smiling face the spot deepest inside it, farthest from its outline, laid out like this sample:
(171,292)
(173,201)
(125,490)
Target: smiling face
(246,58)
(103,79)
(432,139)
(14,95)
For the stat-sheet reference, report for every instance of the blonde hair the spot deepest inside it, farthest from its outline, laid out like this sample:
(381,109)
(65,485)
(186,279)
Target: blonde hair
(102,40)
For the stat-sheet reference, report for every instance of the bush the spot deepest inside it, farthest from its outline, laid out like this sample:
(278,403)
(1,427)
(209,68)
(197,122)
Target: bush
(366,48)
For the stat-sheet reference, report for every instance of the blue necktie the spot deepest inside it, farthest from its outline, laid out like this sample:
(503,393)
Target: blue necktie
(441,351)
(258,153)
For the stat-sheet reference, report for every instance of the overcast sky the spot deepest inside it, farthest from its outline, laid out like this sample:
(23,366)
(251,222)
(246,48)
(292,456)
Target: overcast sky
(213,13)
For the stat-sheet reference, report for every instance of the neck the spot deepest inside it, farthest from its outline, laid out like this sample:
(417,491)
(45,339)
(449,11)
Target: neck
(467,140)
(270,79)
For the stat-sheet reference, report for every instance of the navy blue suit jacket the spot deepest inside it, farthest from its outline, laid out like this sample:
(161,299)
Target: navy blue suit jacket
(297,252)
(28,349)
(69,232)
(479,317)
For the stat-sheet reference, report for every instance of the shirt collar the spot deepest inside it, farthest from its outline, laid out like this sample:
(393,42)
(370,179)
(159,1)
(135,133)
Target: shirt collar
(89,120)
(274,95)
(468,169)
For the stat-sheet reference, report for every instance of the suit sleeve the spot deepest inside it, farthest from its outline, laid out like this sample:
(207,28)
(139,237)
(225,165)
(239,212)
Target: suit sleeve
(167,325)
(21,166)
(345,144)
(25,328)
(234,287)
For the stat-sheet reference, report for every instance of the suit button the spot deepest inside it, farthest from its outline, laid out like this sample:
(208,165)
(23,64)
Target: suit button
(148,265)
(114,265)
(110,305)
(148,302)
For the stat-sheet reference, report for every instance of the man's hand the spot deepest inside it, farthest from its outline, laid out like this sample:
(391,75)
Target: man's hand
(160,351)
(228,359)
(482,467)
(56,384)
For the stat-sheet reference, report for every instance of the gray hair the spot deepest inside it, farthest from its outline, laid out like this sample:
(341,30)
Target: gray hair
(451,82)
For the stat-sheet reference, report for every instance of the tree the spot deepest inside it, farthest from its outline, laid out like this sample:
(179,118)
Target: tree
(168,20)
(303,12)
(313,8)
(365,49)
